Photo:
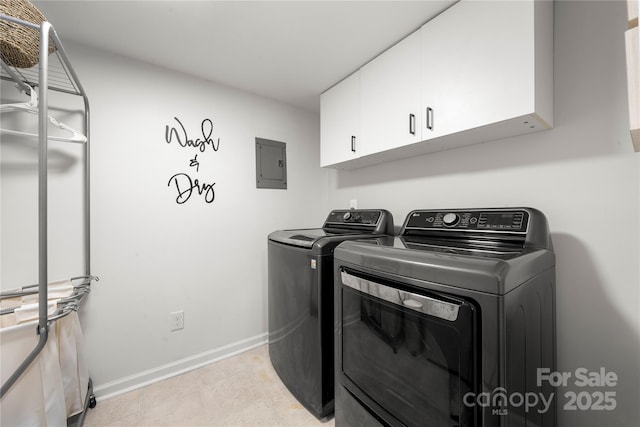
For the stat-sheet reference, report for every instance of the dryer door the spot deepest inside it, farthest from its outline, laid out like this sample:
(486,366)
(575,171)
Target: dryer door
(408,356)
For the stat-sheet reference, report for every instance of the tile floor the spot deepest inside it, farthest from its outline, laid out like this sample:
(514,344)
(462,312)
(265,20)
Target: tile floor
(243,390)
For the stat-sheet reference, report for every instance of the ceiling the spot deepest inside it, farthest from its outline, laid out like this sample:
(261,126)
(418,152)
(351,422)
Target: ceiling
(290,51)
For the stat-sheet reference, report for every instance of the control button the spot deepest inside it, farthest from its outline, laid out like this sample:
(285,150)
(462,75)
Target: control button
(450,219)
(346,216)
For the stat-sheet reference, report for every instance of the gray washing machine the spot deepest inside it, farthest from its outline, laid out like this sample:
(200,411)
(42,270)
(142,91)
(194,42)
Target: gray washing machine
(300,283)
(447,324)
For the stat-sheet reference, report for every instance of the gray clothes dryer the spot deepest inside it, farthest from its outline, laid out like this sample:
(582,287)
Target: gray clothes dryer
(447,324)
(300,290)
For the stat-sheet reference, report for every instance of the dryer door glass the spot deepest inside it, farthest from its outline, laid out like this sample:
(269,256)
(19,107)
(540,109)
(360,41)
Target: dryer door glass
(407,354)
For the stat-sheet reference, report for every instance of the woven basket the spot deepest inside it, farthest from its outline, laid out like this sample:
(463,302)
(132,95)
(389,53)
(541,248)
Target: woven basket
(19,45)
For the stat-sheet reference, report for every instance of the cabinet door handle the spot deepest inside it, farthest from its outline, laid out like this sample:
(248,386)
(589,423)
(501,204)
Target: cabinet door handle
(412,124)
(429,118)
(353,143)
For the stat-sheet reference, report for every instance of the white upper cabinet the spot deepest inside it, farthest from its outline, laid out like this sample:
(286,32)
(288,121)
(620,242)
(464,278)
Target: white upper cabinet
(632,41)
(487,62)
(481,70)
(390,97)
(340,122)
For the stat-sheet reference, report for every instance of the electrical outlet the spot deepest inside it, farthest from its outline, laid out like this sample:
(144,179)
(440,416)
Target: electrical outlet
(353,204)
(177,320)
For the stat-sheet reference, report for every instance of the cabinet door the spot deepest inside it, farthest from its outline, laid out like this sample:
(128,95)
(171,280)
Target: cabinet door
(390,97)
(340,122)
(477,66)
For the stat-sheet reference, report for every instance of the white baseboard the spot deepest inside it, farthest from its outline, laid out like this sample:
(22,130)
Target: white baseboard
(144,378)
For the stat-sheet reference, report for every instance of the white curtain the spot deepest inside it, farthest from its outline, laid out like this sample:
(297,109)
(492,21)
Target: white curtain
(54,387)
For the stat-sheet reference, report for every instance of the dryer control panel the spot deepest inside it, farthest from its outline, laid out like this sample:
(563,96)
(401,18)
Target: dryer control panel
(508,220)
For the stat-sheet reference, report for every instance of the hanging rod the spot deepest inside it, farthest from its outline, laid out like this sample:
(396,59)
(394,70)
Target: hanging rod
(33,289)
(76,295)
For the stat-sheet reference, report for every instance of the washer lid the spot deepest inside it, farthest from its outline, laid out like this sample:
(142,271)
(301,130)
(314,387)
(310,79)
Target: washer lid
(340,225)
(305,238)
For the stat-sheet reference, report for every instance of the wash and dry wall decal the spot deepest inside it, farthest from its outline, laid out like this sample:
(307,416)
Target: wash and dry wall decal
(188,184)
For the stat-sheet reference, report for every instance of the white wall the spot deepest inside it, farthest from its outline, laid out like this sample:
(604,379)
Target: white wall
(583,174)
(154,256)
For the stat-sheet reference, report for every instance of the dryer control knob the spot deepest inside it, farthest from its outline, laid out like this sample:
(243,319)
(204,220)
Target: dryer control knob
(346,216)
(450,219)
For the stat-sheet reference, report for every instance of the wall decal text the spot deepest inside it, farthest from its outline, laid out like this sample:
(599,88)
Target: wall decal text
(183,138)
(187,184)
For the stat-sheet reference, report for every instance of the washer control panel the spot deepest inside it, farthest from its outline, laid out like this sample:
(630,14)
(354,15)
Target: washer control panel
(476,220)
(353,216)
(366,221)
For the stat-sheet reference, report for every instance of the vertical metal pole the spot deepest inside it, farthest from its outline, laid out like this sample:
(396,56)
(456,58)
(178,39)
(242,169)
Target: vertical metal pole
(43,265)
(87,192)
